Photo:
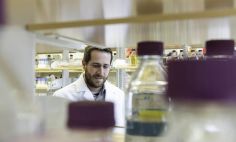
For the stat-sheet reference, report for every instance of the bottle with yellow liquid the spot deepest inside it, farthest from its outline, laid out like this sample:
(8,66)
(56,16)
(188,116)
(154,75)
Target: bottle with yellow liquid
(133,58)
(146,105)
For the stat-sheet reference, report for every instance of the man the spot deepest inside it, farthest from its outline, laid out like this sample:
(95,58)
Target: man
(92,85)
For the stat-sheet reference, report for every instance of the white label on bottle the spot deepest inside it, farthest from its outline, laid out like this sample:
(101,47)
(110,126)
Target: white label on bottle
(148,101)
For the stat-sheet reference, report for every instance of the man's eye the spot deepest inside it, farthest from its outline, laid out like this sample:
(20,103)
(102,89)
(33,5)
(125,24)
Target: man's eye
(99,66)
(106,66)
(96,66)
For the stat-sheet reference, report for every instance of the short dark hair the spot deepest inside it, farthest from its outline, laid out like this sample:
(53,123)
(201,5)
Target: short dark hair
(89,49)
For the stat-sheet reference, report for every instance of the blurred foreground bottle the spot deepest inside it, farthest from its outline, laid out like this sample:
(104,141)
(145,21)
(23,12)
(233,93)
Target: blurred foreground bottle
(7,108)
(203,95)
(19,116)
(145,103)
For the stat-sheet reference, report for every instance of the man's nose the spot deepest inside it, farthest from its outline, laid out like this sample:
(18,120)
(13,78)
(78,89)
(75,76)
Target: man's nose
(101,70)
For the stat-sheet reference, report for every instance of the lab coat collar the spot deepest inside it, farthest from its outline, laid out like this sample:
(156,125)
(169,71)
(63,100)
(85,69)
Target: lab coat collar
(109,92)
(81,86)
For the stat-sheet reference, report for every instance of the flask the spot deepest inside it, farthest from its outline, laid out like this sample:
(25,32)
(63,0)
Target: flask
(90,121)
(219,48)
(145,103)
(203,97)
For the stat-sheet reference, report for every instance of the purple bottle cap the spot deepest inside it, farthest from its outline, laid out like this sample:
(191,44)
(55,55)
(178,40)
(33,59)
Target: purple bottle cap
(91,115)
(219,47)
(150,48)
(207,80)
(2,12)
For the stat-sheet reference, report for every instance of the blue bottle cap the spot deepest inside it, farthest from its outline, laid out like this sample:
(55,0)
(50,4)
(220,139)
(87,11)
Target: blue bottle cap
(2,12)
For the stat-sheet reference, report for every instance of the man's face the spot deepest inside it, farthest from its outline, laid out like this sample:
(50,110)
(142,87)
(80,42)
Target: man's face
(97,69)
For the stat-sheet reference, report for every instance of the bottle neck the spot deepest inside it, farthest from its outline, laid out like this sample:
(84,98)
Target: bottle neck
(150,58)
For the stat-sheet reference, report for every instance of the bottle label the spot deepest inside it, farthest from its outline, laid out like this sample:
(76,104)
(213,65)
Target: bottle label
(148,101)
(148,115)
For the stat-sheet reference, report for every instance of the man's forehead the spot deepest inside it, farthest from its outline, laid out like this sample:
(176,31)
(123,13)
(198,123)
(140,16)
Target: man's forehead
(99,54)
(100,58)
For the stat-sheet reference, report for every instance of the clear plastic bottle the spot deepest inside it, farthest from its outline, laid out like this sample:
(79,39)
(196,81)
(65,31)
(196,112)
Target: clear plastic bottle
(145,103)
(219,48)
(19,115)
(203,97)
(7,107)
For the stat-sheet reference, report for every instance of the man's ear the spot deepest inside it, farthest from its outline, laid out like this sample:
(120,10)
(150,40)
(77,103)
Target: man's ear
(84,64)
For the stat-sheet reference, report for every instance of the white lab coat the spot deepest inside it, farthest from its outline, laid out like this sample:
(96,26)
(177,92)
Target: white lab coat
(78,91)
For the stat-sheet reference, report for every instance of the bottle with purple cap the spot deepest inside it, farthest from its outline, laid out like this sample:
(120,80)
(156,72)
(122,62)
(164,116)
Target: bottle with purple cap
(203,94)
(146,106)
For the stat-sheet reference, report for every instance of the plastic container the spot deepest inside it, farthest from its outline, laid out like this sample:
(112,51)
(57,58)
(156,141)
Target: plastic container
(145,103)
(203,95)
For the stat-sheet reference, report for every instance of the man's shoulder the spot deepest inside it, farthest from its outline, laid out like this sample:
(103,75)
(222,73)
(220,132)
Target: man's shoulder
(114,88)
(65,90)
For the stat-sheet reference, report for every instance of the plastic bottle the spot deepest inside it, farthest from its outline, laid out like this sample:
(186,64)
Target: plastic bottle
(203,96)
(7,108)
(174,55)
(133,58)
(192,55)
(19,116)
(186,49)
(145,103)
(199,54)
(181,56)
(219,49)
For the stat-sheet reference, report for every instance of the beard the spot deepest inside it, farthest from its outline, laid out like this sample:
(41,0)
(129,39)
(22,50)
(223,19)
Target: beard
(95,81)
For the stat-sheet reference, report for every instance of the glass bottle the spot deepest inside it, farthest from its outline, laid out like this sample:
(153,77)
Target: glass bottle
(145,103)
(219,48)
(203,97)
